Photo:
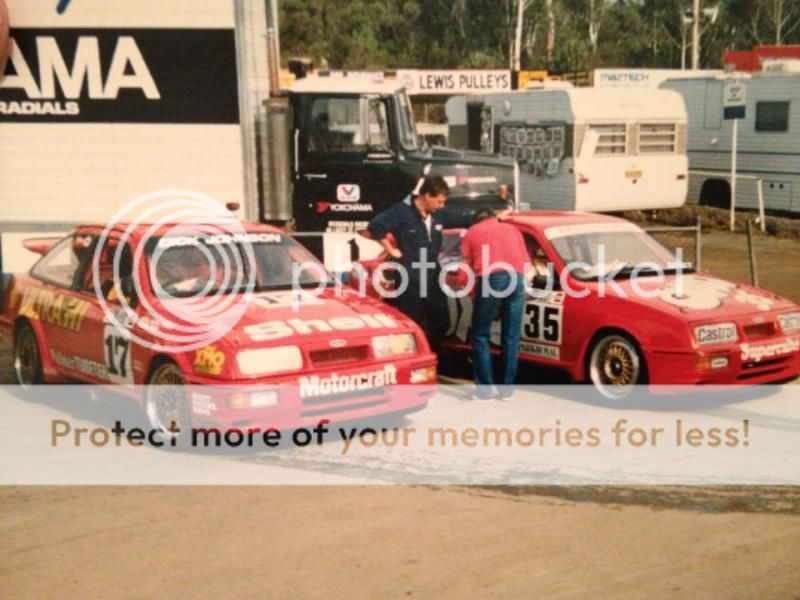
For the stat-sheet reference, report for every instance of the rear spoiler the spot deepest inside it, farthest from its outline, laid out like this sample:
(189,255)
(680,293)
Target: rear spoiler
(41,245)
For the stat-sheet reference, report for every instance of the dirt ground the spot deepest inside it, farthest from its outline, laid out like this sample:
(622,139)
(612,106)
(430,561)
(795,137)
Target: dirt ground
(425,542)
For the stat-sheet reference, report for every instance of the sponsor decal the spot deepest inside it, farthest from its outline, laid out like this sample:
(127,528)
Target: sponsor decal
(716,334)
(461,180)
(540,350)
(209,360)
(56,309)
(273,330)
(219,239)
(789,322)
(80,365)
(120,75)
(454,81)
(759,302)
(338,208)
(346,226)
(202,404)
(697,293)
(282,299)
(348,192)
(315,385)
(756,353)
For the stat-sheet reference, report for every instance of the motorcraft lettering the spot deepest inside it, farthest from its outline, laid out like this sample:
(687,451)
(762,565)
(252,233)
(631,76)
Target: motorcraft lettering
(716,334)
(756,353)
(80,365)
(541,350)
(219,239)
(120,75)
(315,385)
(273,330)
(56,309)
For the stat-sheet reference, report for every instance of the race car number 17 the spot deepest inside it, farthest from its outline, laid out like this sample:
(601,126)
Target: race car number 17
(117,355)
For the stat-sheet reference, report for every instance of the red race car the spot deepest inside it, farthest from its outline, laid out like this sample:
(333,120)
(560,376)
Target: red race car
(608,304)
(200,304)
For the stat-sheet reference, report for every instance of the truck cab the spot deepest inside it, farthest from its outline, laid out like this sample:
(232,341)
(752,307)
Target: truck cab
(356,151)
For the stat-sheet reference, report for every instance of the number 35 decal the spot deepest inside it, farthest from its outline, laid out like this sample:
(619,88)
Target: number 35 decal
(542,322)
(118,354)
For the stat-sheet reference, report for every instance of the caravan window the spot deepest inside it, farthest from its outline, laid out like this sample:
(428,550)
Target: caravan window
(611,139)
(657,138)
(772,116)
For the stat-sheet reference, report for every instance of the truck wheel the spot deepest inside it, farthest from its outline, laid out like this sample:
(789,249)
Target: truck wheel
(27,360)
(616,366)
(166,405)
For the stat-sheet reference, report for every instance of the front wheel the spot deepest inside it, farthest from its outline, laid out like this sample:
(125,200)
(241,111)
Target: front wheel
(166,405)
(616,366)
(27,359)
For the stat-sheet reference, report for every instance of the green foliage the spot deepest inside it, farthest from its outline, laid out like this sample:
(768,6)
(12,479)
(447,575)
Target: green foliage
(384,34)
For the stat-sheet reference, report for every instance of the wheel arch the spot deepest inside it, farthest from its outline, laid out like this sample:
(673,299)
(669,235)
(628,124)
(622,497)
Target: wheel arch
(49,370)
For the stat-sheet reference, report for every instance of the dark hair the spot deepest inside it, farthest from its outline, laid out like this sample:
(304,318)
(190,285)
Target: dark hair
(481,213)
(434,185)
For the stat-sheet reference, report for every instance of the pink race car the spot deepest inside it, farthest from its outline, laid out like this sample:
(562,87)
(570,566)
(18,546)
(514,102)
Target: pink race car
(610,305)
(188,304)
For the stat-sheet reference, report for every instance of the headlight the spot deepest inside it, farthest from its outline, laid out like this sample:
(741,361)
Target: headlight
(395,344)
(789,322)
(266,361)
(719,333)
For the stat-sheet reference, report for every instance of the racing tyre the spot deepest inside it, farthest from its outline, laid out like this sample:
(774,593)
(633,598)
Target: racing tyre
(27,359)
(166,405)
(615,367)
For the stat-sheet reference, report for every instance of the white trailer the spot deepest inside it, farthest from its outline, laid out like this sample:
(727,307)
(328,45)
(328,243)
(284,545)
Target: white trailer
(768,141)
(582,148)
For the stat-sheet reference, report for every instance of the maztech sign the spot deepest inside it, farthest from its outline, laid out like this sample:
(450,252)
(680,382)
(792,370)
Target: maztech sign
(120,75)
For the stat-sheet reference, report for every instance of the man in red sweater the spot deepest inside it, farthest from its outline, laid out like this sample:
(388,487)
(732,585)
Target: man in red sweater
(497,255)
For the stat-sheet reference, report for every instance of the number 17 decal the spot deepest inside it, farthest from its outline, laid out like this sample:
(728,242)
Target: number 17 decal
(118,354)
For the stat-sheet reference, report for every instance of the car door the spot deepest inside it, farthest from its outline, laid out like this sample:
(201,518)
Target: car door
(546,307)
(108,347)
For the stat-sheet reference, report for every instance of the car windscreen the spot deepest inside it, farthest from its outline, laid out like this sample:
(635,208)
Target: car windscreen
(196,265)
(591,255)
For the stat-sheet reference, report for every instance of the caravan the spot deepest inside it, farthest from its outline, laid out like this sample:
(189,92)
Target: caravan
(582,148)
(768,141)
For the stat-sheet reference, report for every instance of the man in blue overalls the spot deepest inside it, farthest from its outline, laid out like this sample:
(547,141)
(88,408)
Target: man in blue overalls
(416,225)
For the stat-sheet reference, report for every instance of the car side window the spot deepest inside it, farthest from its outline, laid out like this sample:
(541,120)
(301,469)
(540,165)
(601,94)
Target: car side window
(104,260)
(60,265)
(536,254)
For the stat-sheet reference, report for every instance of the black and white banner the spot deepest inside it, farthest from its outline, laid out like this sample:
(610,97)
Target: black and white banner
(120,76)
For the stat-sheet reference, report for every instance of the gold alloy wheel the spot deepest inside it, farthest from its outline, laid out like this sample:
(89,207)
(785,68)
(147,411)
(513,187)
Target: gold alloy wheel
(165,402)
(615,366)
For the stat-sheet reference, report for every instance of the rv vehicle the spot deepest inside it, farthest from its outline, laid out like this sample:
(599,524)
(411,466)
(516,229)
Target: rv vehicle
(582,148)
(768,145)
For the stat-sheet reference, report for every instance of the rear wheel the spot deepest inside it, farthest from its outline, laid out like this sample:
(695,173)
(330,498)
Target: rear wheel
(166,405)
(27,359)
(616,366)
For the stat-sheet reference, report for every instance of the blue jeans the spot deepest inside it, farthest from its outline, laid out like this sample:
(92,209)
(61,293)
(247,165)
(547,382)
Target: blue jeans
(487,305)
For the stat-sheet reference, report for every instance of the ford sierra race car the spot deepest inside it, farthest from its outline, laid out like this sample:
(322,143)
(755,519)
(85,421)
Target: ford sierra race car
(610,305)
(188,304)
